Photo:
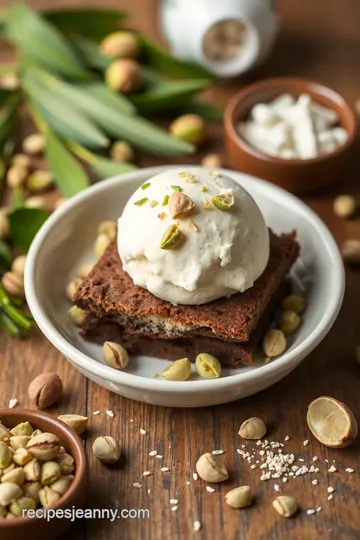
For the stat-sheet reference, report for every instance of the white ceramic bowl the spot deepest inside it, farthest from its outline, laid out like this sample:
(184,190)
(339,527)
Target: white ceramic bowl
(66,240)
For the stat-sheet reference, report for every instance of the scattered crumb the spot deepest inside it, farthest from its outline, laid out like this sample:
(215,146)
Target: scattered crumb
(330,497)
(332,469)
(188,483)
(310,512)
(165,469)
(153,453)
(217,452)
(146,473)
(319,508)
(252,466)
(137,485)
(349,470)
(143,431)
(315,482)
(195,476)
(326,461)
(110,413)
(305,443)
(173,501)
(149,491)
(174,508)
(131,419)
(210,489)
(159,456)
(95,413)
(287,438)
(197,526)
(315,458)
(12,403)
(284,480)
(330,489)
(276,487)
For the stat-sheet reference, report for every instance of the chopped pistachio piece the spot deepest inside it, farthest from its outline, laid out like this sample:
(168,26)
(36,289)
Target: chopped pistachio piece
(207,204)
(146,185)
(204,189)
(172,238)
(214,173)
(153,204)
(165,200)
(192,226)
(176,188)
(141,201)
(223,201)
(162,215)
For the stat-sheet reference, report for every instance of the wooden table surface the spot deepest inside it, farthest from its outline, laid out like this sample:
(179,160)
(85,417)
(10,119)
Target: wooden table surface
(319,40)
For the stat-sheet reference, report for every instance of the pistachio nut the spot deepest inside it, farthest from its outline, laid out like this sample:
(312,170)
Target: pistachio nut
(239,497)
(24,503)
(18,266)
(9,493)
(62,484)
(32,489)
(16,176)
(66,462)
(19,441)
(289,322)
(121,152)
(44,447)
(179,370)
(48,497)
(189,128)
(350,251)
(212,161)
(34,144)
(180,205)
(25,428)
(121,44)
(224,201)
(13,284)
(5,455)
(22,456)
(345,206)
(294,302)
(16,476)
(50,472)
(32,471)
(21,160)
(211,469)
(4,224)
(45,390)
(36,202)
(36,432)
(71,288)
(285,506)
(172,238)
(85,269)
(106,449)
(77,315)
(40,180)
(123,76)
(77,422)
(4,433)
(101,243)
(274,343)
(208,366)
(11,467)
(109,228)
(115,355)
(252,428)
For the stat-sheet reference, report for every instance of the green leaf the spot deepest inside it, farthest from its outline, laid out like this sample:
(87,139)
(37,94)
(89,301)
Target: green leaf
(39,40)
(106,168)
(118,102)
(152,54)
(17,198)
(8,117)
(168,94)
(206,110)
(90,54)
(70,177)
(5,257)
(89,22)
(24,224)
(7,324)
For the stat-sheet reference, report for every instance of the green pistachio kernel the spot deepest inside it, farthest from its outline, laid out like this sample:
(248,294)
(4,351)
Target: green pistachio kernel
(172,238)
(141,201)
(24,429)
(146,185)
(5,455)
(289,322)
(24,503)
(224,201)
(176,188)
(208,366)
(179,370)
(165,200)
(294,302)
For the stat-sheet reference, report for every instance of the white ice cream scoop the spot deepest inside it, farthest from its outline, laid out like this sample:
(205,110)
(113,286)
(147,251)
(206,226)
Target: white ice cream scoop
(218,246)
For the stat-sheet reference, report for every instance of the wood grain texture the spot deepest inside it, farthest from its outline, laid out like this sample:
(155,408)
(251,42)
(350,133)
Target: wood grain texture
(319,40)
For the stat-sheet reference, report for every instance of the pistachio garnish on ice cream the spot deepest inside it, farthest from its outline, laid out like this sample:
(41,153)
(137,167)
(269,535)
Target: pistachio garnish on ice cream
(180,205)
(172,238)
(224,201)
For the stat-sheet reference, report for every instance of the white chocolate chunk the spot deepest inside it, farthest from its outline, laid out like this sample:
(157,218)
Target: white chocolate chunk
(263,115)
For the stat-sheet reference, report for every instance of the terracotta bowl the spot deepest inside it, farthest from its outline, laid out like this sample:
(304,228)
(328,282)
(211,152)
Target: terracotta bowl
(41,529)
(296,175)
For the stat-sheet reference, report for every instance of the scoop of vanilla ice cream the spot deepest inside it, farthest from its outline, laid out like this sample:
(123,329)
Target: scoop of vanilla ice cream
(222,252)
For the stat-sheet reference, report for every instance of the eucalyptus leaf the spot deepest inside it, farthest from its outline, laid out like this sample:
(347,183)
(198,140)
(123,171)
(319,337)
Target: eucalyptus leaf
(24,224)
(118,102)
(106,168)
(206,110)
(5,257)
(94,23)
(7,324)
(70,177)
(168,94)
(153,55)
(8,119)
(17,198)
(90,54)
(41,41)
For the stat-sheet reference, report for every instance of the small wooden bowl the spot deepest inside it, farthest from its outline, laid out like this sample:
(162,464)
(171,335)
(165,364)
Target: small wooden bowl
(296,175)
(41,529)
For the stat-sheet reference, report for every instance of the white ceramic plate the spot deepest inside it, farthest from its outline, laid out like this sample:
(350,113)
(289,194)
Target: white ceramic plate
(66,240)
